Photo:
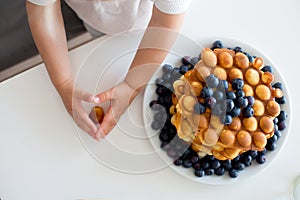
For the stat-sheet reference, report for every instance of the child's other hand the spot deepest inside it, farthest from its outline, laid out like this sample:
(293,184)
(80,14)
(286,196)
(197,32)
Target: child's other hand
(120,98)
(72,98)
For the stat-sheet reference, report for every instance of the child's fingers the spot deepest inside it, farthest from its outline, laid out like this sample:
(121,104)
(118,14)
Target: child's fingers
(108,123)
(104,96)
(83,95)
(84,122)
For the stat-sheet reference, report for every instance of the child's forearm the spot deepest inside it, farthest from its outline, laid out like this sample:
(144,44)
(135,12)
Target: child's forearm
(154,47)
(47,27)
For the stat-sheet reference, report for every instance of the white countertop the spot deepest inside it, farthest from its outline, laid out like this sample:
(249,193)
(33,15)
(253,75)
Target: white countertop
(42,156)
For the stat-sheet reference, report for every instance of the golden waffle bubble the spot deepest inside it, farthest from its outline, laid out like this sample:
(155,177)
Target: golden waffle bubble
(259,139)
(266,124)
(273,108)
(208,57)
(220,73)
(259,108)
(252,76)
(235,73)
(263,92)
(227,137)
(250,123)
(225,60)
(241,60)
(248,90)
(244,138)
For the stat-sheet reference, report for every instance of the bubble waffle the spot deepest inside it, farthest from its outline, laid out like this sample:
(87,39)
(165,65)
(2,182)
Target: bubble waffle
(206,133)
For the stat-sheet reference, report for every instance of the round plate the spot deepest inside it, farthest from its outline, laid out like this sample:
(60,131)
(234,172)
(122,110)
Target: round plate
(181,49)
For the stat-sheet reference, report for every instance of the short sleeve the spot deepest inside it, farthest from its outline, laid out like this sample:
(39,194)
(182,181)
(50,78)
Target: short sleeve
(42,2)
(172,6)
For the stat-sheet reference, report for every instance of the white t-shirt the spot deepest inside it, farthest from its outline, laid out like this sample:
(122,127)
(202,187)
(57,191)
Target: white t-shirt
(115,16)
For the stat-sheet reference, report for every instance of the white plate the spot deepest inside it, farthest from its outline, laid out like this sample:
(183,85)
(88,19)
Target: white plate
(181,49)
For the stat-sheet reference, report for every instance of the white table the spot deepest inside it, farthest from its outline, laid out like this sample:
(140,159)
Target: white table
(41,154)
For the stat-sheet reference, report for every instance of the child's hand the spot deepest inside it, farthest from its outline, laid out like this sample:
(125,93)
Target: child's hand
(120,98)
(72,98)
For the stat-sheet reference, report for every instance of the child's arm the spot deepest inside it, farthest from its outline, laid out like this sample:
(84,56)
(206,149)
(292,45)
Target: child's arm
(47,27)
(157,40)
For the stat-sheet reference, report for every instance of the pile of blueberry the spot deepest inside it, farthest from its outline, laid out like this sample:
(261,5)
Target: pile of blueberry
(225,104)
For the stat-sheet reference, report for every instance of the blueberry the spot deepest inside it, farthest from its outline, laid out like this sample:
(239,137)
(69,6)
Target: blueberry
(209,171)
(194,61)
(186,60)
(167,68)
(160,116)
(160,91)
(159,81)
(236,158)
(263,152)
(240,93)
(248,112)
(227,120)
(199,108)
(183,69)
(194,159)
(223,85)
(267,68)
(155,125)
(273,138)
(230,95)
(233,173)
(197,166)
(176,74)
(178,162)
(154,105)
(278,85)
(199,173)
(171,153)
(238,49)
(204,165)
(229,105)
(278,134)
(235,112)
(242,102)
(271,146)
(251,100)
(206,92)
(215,164)
(187,163)
(226,164)
(163,136)
(218,95)
(218,44)
(275,120)
(261,159)
(210,102)
(281,100)
(220,171)
(167,100)
(239,166)
(253,153)
(281,125)
(282,116)
(212,81)
(166,76)
(164,145)
(237,84)
(217,110)
(250,58)
(247,159)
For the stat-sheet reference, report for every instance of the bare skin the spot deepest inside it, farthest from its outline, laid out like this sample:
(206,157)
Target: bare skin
(47,27)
